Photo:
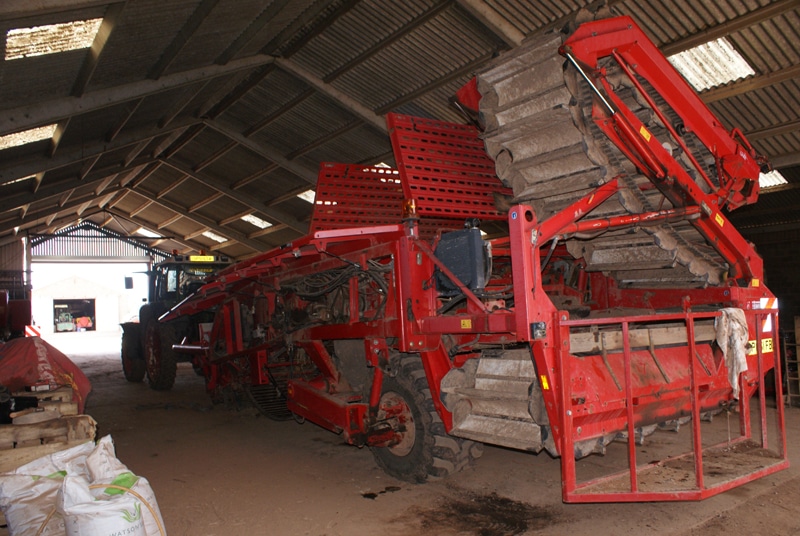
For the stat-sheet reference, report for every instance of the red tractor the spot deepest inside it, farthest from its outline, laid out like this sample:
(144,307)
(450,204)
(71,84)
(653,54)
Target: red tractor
(612,298)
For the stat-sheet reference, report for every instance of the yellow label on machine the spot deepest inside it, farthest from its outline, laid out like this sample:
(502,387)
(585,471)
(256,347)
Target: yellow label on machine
(466,323)
(719,219)
(644,133)
(545,385)
(201,258)
(766,347)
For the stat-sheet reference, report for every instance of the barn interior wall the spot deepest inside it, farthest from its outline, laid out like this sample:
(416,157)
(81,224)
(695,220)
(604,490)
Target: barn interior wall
(779,251)
(12,256)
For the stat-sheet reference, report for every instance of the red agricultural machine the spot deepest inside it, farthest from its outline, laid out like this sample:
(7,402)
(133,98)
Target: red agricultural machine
(613,298)
(15,305)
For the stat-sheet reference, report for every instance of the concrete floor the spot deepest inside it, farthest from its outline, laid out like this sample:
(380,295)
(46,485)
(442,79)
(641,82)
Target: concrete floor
(230,473)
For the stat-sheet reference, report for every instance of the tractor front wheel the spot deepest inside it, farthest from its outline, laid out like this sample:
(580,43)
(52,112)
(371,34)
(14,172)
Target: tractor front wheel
(160,360)
(423,449)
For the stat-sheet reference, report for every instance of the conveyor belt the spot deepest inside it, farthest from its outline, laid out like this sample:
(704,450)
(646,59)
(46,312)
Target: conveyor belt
(540,133)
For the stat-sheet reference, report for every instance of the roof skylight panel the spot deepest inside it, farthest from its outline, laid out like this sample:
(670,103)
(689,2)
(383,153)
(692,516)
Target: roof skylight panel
(51,38)
(711,64)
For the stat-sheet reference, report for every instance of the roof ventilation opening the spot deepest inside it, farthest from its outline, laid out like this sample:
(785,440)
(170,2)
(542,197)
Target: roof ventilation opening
(51,38)
(307,196)
(215,237)
(147,233)
(711,64)
(255,220)
(27,136)
(771,180)
(17,181)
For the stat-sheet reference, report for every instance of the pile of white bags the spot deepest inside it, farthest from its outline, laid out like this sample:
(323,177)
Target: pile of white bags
(82,491)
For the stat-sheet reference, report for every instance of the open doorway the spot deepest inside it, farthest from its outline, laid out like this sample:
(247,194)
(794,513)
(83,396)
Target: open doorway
(105,293)
(73,315)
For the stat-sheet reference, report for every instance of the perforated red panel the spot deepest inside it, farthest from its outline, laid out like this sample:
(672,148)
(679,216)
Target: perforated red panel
(445,168)
(351,195)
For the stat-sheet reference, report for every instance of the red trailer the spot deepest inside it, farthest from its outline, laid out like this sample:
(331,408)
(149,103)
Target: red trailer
(15,305)
(419,319)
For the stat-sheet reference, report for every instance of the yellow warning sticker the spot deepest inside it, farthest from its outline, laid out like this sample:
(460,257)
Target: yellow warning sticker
(466,323)
(755,282)
(644,133)
(545,385)
(766,347)
(719,219)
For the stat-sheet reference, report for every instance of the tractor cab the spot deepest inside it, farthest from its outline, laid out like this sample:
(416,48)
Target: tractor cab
(174,279)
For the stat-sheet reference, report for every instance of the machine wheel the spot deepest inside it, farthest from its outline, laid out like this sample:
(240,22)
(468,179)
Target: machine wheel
(160,360)
(133,366)
(425,450)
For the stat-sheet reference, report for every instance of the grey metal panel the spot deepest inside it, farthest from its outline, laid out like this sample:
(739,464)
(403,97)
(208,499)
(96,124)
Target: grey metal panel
(144,31)
(92,125)
(275,185)
(278,88)
(12,255)
(530,15)
(350,147)
(670,20)
(189,193)
(22,80)
(220,208)
(764,108)
(368,23)
(239,163)
(290,13)
(218,30)
(772,45)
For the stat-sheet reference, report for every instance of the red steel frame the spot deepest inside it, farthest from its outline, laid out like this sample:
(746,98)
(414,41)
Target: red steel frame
(737,163)
(444,169)
(574,492)
(414,261)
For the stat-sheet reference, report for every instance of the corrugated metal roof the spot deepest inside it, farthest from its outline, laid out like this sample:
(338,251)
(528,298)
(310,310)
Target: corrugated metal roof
(185,119)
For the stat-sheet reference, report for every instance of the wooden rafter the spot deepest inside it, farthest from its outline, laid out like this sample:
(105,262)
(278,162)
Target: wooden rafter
(12,170)
(53,110)
(245,200)
(110,19)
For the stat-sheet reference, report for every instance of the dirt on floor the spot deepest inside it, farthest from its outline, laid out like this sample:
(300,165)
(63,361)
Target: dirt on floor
(225,472)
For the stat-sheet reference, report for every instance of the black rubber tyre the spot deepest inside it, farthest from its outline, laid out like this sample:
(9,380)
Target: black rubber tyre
(160,361)
(133,366)
(426,450)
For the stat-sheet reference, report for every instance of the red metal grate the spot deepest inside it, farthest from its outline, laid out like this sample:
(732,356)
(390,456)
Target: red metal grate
(445,168)
(352,195)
